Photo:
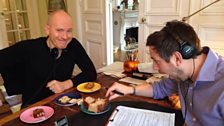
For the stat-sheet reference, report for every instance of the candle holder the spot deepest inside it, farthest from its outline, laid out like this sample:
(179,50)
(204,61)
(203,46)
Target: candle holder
(131,62)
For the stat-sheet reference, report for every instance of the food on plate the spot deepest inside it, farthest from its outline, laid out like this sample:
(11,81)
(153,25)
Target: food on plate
(73,101)
(89,100)
(39,112)
(95,104)
(89,85)
(64,99)
(67,100)
(79,101)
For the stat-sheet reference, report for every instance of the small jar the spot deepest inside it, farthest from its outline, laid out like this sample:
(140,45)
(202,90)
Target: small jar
(130,66)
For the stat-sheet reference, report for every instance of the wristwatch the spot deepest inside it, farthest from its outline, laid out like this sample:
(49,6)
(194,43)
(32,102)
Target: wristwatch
(134,89)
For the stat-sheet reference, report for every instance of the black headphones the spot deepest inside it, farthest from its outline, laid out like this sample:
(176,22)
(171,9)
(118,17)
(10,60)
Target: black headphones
(186,49)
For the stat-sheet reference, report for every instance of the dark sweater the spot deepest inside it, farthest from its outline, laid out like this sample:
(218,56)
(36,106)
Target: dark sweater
(27,66)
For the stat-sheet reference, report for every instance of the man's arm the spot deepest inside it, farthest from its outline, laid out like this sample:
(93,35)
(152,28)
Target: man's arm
(144,90)
(58,87)
(141,90)
(85,64)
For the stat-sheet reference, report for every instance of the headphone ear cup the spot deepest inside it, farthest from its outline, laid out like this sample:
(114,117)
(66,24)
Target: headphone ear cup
(187,51)
(54,53)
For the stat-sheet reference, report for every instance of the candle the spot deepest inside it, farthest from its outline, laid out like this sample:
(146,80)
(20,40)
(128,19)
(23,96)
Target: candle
(130,66)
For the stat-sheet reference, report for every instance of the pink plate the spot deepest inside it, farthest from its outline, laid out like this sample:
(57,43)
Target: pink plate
(27,115)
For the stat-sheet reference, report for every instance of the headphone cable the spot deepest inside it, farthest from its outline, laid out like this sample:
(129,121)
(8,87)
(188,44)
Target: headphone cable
(185,95)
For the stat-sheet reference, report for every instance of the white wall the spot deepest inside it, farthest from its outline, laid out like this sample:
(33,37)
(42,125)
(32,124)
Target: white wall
(209,23)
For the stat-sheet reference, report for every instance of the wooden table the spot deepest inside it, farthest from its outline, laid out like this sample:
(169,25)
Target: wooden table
(77,117)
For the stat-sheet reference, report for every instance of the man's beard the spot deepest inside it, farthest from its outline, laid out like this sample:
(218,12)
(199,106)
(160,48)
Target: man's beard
(179,76)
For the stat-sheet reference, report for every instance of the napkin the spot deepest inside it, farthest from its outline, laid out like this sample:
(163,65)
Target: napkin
(146,68)
(115,69)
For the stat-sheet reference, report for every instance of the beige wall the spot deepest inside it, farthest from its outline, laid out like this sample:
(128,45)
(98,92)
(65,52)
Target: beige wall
(72,10)
(42,14)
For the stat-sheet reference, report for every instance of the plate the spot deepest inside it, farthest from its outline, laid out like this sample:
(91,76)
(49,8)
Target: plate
(85,110)
(70,95)
(27,115)
(81,87)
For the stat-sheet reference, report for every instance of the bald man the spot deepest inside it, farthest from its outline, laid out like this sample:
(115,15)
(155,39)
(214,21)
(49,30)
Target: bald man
(38,68)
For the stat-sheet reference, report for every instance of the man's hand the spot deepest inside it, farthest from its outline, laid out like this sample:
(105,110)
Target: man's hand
(58,87)
(120,88)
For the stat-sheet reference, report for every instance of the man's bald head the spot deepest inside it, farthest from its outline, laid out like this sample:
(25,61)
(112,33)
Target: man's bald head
(62,14)
(59,29)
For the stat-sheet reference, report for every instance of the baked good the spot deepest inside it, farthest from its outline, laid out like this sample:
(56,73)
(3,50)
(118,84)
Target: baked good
(73,101)
(89,100)
(39,112)
(95,105)
(79,101)
(89,85)
(64,99)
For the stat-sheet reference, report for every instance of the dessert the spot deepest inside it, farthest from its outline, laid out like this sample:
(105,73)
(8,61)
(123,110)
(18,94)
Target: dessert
(95,105)
(39,112)
(73,101)
(79,101)
(89,100)
(64,99)
(89,85)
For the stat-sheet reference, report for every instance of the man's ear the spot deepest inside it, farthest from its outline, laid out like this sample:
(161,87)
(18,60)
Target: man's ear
(47,29)
(177,57)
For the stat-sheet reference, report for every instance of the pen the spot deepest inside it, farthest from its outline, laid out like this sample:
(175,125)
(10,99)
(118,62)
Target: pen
(117,92)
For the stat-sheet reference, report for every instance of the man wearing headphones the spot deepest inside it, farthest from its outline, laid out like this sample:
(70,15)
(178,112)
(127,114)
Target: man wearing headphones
(196,74)
(38,68)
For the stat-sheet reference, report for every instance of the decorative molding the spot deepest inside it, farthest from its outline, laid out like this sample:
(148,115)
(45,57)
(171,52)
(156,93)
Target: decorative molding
(214,10)
(212,35)
(93,40)
(90,8)
(94,51)
(169,7)
(155,27)
(94,26)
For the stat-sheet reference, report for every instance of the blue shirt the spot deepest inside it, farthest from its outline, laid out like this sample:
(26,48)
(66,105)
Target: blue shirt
(204,99)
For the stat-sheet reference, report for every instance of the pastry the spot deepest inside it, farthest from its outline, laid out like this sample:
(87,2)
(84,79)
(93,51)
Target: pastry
(73,101)
(39,112)
(89,85)
(95,105)
(64,99)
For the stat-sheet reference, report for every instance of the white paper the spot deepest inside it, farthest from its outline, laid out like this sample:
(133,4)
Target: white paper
(127,116)
(132,80)
(115,69)
(146,68)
